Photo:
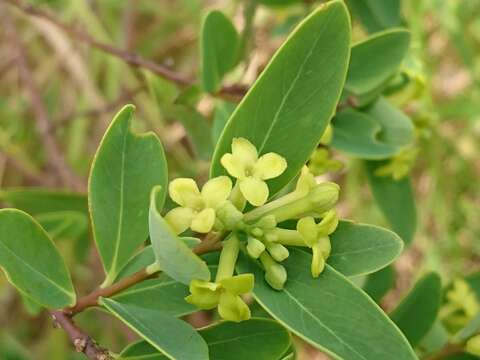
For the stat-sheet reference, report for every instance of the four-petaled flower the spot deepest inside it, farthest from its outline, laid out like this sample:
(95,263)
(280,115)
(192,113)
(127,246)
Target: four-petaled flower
(251,171)
(316,237)
(225,294)
(197,209)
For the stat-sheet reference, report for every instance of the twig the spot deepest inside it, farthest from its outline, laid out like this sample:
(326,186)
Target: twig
(79,339)
(55,157)
(210,243)
(129,57)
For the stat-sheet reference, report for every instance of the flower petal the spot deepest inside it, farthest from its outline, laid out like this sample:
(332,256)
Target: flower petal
(233,308)
(203,221)
(233,166)
(184,192)
(305,182)
(179,219)
(269,166)
(245,151)
(328,224)
(308,229)
(240,284)
(216,191)
(254,190)
(318,262)
(325,246)
(204,294)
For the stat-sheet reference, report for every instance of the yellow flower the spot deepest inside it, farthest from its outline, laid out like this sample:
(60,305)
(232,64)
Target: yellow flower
(251,171)
(316,237)
(225,294)
(197,209)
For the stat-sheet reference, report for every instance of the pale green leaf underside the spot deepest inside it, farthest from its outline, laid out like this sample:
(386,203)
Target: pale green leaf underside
(417,312)
(259,339)
(376,59)
(330,312)
(289,106)
(219,45)
(378,132)
(31,261)
(359,249)
(173,255)
(396,201)
(125,169)
(173,337)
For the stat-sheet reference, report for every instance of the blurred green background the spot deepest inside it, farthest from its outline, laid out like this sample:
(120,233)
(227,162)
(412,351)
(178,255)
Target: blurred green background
(83,86)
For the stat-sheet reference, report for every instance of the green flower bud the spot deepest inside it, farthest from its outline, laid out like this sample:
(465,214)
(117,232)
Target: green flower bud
(267,222)
(257,232)
(255,247)
(275,274)
(278,251)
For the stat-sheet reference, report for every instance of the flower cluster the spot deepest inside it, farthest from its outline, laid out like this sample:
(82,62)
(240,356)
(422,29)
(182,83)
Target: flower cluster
(261,233)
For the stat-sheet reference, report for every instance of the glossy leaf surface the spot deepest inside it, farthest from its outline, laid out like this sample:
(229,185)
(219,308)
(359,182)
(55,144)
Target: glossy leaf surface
(289,106)
(125,169)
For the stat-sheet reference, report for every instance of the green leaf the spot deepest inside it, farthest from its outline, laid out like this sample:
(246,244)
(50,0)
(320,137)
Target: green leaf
(31,261)
(472,328)
(258,339)
(219,45)
(37,200)
(279,2)
(359,249)
(161,294)
(64,224)
(396,201)
(329,312)
(435,339)
(173,337)
(125,169)
(376,15)
(376,59)
(378,132)
(379,283)
(417,312)
(289,106)
(175,258)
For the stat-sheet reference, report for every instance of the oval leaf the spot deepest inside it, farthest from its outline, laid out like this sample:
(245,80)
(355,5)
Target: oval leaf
(125,169)
(173,337)
(379,283)
(173,255)
(64,224)
(396,201)
(417,312)
(378,132)
(219,46)
(376,15)
(31,261)
(289,106)
(376,59)
(359,249)
(329,312)
(258,339)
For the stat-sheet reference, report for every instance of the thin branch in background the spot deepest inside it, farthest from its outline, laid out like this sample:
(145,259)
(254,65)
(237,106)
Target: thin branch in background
(79,339)
(30,177)
(131,58)
(43,123)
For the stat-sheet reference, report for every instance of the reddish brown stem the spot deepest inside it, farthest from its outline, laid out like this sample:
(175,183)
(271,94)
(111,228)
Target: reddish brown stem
(79,339)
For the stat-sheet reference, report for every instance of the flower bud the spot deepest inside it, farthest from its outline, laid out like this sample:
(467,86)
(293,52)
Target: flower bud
(278,251)
(255,247)
(275,274)
(256,232)
(324,196)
